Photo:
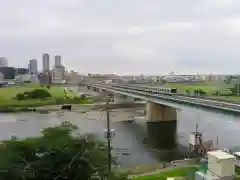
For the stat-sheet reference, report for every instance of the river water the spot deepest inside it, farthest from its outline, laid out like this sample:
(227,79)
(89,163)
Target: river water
(128,142)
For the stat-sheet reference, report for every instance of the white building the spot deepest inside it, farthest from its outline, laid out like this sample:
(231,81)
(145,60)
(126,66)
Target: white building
(221,165)
(58,74)
(27,77)
(58,61)
(74,78)
(1,76)
(3,62)
(33,69)
(46,62)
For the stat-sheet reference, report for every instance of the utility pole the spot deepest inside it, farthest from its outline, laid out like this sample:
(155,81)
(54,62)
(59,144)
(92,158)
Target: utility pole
(108,138)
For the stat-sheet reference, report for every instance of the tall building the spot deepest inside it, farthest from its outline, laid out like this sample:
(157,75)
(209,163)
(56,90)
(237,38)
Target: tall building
(3,62)
(45,62)
(33,66)
(58,60)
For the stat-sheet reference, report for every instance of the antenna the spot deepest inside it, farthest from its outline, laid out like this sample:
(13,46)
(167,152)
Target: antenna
(197,125)
(217,141)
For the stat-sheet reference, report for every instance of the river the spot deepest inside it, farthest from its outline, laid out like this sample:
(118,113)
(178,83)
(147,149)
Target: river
(128,142)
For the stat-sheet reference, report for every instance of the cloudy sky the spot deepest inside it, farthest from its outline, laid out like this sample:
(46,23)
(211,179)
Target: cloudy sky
(124,36)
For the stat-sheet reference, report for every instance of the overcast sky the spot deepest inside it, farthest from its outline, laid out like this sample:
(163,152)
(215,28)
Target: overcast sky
(124,36)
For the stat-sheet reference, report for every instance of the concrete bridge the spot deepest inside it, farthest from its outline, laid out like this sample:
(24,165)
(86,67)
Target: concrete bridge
(161,110)
(161,118)
(175,101)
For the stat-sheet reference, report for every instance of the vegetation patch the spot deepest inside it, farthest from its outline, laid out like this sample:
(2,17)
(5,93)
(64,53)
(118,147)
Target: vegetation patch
(177,172)
(60,153)
(35,95)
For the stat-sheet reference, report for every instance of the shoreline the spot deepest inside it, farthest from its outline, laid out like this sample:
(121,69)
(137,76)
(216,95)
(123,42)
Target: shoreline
(38,108)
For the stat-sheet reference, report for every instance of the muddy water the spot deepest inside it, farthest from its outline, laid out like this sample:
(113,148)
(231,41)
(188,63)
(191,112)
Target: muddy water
(129,143)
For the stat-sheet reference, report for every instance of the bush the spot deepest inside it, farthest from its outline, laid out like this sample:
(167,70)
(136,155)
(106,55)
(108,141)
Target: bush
(20,97)
(199,91)
(27,82)
(35,94)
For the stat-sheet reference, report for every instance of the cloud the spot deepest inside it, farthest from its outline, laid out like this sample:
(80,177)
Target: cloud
(137,36)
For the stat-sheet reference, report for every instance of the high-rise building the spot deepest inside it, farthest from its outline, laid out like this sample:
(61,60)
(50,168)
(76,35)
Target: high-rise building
(57,60)
(33,66)
(3,62)
(45,62)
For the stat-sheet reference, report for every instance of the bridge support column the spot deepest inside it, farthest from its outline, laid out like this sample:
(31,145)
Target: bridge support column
(161,125)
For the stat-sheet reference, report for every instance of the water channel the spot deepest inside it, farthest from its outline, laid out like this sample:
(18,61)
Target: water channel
(129,135)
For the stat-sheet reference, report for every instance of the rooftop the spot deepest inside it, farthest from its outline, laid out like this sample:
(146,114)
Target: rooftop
(220,154)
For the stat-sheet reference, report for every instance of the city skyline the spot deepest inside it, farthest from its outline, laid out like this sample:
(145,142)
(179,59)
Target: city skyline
(133,37)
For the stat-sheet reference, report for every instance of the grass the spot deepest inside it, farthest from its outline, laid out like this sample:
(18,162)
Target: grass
(178,172)
(209,88)
(140,169)
(7,94)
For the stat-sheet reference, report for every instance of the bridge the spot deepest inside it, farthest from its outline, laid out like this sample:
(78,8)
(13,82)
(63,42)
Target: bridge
(161,110)
(174,101)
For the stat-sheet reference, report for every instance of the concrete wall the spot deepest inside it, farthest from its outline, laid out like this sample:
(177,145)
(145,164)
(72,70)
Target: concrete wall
(158,112)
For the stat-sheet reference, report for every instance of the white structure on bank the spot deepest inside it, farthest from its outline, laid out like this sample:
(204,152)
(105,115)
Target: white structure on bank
(220,166)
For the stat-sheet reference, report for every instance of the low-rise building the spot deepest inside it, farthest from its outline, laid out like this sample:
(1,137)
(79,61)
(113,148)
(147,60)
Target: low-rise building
(27,77)
(58,75)
(74,78)
(45,77)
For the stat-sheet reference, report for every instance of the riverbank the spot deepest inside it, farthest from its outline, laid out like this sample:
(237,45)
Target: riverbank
(9,103)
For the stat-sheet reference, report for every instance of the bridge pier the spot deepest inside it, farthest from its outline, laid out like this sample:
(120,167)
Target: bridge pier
(161,126)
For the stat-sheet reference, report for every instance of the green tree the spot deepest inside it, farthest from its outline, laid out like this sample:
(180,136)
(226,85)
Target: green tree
(34,94)
(60,153)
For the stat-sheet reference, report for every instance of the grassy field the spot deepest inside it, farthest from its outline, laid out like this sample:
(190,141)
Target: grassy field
(7,94)
(178,172)
(209,88)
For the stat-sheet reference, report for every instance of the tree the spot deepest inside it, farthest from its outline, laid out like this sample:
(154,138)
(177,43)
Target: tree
(60,153)
(34,94)
(188,92)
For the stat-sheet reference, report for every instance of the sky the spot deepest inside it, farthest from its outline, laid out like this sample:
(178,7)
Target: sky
(124,36)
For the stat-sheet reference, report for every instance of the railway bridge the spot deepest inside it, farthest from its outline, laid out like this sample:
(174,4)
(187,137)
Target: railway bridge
(161,109)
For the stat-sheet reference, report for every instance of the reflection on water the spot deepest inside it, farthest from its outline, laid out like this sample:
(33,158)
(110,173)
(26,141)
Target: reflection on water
(162,135)
(130,142)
